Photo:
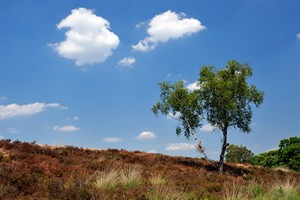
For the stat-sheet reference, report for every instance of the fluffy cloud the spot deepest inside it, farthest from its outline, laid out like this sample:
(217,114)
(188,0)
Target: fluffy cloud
(193,86)
(172,116)
(66,128)
(166,26)
(126,62)
(146,135)
(180,146)
(14,110)
(112,139)
(298,36)
(88,40)
(208,128)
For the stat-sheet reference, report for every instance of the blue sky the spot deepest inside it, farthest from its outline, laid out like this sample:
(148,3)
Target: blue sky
(85,73)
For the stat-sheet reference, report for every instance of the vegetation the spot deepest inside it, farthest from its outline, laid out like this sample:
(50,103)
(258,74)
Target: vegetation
(31,171)
(224,98)
(287,155)
(238,154)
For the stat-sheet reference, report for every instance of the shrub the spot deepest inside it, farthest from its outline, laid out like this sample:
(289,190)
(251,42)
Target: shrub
(238,154)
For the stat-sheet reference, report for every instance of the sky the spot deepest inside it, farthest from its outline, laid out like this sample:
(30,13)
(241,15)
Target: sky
(85,72)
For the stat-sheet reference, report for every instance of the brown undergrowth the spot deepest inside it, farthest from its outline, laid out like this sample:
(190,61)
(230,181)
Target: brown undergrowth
(31,171)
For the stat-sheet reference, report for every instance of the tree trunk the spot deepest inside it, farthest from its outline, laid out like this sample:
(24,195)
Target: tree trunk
(222,155)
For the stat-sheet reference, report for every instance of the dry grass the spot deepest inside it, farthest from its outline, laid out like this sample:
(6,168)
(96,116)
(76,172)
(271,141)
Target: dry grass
(128,177)
(287,189)
(106,179)
(156,179)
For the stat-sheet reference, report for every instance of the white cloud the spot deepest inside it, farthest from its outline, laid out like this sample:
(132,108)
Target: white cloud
(172,116)
(180,146)
(76,118)
(14,110)
(207,128)
(3,98)
(152,151)
(166,26)
(88,40)
(193,86)
(126,62)
(1,137)
(66,128)
(112,139)
(146,135)
(298,36)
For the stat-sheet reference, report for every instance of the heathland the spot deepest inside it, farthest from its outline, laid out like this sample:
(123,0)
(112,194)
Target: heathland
(32,171)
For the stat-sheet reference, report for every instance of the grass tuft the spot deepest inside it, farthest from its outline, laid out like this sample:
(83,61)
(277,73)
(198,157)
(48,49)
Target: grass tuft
(156,179)
(127,177)
(106,179)
(130,176)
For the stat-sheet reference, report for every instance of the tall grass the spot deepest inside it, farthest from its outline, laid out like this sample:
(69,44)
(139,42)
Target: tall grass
(130,176)
(127,177)
(106,179)
(284,190)
(156,179)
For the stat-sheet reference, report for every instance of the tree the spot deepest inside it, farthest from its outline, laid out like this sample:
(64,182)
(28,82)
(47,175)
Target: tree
(266,159)
(224,99)
(238,154)
(289,153)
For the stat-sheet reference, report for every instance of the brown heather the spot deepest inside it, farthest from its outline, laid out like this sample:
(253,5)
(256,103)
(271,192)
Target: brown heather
(31,171)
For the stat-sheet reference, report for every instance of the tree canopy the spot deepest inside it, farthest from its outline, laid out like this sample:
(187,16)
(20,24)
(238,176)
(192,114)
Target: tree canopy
(287,155)
(224,99)
(238,154)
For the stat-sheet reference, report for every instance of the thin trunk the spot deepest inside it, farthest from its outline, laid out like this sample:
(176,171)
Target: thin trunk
(222,155)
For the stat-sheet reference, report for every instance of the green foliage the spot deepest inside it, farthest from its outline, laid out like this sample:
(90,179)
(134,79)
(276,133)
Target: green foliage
(226,95)
(238,154)
(287,155)
(176,98)
(267,159)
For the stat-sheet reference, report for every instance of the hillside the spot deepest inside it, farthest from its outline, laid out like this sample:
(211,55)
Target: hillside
(31,171)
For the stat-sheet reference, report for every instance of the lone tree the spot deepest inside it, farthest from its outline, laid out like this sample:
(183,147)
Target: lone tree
(238,154)
(224,98)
